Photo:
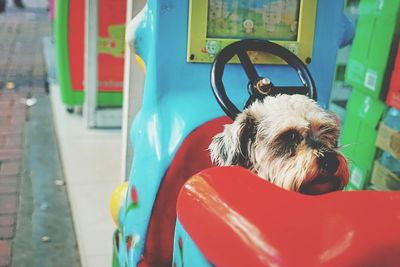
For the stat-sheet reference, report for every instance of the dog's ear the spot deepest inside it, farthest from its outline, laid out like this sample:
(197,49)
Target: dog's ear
(233,145)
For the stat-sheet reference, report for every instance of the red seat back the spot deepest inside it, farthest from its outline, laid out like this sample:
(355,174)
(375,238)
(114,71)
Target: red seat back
(193,156)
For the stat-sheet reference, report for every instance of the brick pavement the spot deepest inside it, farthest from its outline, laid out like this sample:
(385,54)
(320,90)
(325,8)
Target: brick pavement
(22,74)
(12,121)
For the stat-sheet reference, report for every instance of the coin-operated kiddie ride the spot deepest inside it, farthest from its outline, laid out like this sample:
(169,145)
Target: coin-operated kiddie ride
(175,210)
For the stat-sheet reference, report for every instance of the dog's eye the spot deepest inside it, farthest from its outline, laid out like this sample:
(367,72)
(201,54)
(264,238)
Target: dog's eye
(292,136)
(286,144)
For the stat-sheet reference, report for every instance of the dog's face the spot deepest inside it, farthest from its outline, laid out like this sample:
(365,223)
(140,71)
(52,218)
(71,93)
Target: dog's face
(287,140)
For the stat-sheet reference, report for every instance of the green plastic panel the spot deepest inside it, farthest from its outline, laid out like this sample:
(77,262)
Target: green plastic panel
(115,262)
(359,135)
(373,49)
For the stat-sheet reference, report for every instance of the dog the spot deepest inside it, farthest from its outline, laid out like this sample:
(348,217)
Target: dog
(288,140)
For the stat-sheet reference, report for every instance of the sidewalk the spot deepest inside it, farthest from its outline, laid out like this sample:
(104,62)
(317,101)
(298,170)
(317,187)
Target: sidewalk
(36,227)
(56,176)
(91,161)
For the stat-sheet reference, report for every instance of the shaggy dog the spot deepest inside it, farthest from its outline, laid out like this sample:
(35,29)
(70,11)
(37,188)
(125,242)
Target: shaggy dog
(288,140)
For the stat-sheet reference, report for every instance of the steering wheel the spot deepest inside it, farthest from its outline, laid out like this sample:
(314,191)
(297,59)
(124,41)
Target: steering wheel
(258,87)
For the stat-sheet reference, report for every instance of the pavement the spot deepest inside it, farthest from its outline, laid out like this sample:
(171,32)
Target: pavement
(36,225)
(91,161)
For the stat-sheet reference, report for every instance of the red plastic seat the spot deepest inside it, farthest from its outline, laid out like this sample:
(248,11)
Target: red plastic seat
(254,223)
(276,226)
(192,156)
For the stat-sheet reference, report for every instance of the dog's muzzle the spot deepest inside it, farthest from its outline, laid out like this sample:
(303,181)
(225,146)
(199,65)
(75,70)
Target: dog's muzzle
(321,184)
(328,179)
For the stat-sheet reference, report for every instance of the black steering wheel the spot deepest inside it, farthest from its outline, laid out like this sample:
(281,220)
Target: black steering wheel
(258,87)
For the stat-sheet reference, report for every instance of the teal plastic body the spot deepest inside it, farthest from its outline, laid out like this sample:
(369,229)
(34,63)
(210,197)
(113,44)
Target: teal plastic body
(178,98)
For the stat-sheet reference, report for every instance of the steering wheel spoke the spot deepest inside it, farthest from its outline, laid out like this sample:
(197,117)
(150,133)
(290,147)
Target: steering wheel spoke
(289,90)
(248,66)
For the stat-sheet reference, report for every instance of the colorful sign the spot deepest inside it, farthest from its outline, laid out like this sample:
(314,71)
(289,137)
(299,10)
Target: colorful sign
(214,24)
(264,19)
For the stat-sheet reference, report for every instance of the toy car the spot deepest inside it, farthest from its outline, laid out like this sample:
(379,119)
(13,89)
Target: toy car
(176,210)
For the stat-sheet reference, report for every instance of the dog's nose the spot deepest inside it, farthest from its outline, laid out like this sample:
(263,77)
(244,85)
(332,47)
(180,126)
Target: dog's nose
(329,162)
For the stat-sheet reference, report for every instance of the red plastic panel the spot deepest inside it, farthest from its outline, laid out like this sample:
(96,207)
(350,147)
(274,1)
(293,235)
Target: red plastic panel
(52,5)
(193,156)
(111,67)
(238,219)
(76,42)
(393,98)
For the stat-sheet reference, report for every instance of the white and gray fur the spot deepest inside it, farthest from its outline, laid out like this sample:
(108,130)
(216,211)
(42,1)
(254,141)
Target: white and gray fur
(282,139)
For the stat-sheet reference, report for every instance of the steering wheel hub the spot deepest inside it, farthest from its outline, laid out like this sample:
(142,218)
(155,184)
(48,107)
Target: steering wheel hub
(264,86)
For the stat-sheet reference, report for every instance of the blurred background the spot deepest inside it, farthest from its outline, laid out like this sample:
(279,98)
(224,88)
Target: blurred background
(70,88)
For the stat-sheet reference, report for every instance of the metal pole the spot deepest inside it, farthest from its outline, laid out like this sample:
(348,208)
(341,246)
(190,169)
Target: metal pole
(133,91)
(91,62)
